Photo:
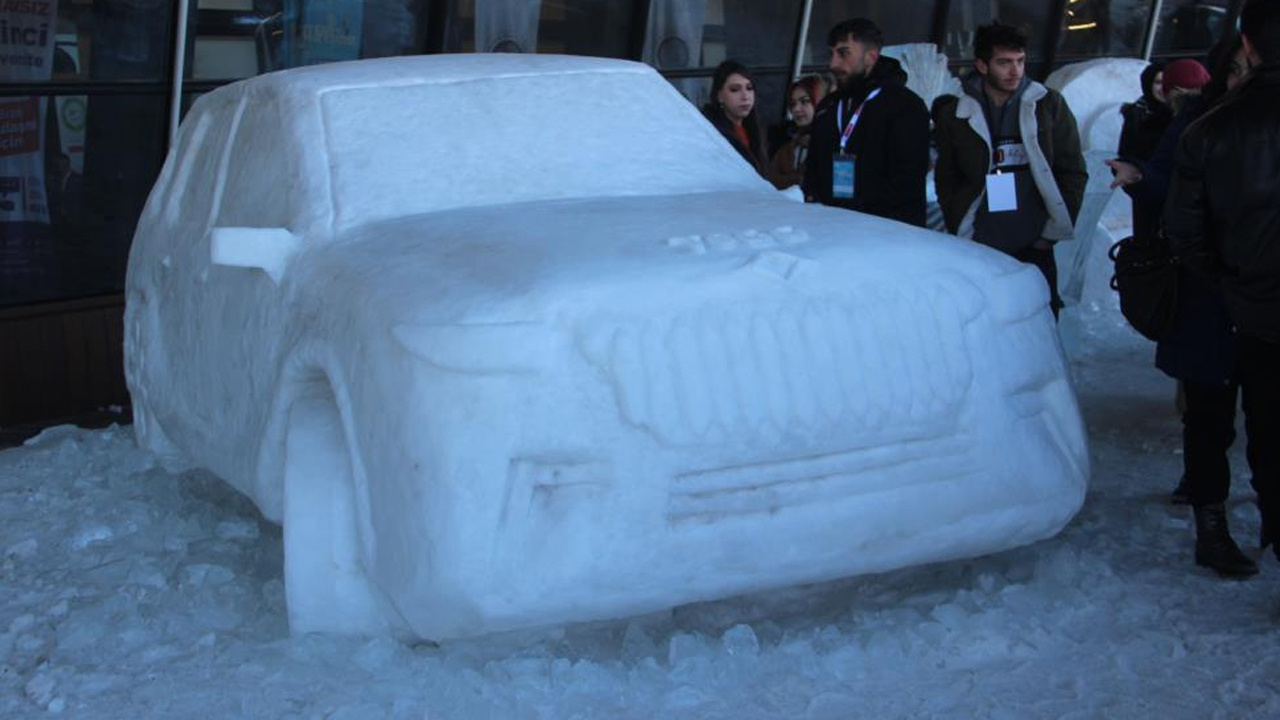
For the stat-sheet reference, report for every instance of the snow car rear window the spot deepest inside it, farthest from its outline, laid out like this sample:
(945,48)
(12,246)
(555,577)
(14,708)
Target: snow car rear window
(403,150)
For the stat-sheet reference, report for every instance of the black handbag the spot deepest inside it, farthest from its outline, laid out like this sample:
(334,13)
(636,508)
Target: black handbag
(1146,276)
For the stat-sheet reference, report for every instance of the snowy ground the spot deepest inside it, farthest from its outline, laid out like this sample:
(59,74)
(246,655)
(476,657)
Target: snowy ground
(126,592)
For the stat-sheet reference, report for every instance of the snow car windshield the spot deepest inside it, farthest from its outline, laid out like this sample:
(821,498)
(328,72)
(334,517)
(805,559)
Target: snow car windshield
(399,150)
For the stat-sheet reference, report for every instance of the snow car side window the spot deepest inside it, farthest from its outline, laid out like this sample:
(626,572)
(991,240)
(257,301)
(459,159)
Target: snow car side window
(182,176)
(190,201)
(255,193)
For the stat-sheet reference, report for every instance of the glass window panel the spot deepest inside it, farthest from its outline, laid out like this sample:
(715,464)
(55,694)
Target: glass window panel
(682,34)
(967,15)
(78,40)
(91,171)
(1190,26)
(901,21)
(126,39)
(494,25)
(239,38)
(1103,27)
(753,33)
(586,27)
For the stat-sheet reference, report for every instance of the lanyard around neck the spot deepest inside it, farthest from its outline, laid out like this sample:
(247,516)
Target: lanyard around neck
(853,121)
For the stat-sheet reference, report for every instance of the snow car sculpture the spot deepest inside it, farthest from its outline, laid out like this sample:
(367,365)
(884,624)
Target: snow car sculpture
(506,341)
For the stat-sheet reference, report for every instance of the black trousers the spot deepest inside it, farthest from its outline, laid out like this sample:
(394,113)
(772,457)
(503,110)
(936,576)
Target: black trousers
(1043,260)
(1258,368)
(1208,429)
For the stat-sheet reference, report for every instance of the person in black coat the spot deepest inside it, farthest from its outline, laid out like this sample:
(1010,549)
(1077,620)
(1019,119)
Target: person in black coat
(1222,209)
(872,129)
(1146,180)
(1145,121)
(1198,351)
(1145,118)
(732,110)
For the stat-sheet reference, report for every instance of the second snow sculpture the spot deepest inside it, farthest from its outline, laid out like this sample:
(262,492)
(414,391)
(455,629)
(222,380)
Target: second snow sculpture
(498,354)
(1095,90)
(928,72)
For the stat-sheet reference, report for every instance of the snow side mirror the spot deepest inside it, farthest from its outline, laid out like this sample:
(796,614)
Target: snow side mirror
(268,249)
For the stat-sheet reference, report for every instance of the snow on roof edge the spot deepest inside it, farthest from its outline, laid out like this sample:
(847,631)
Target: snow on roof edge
(430,69)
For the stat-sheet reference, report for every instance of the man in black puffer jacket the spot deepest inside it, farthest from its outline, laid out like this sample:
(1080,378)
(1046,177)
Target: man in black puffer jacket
(1223,221)
(869,143)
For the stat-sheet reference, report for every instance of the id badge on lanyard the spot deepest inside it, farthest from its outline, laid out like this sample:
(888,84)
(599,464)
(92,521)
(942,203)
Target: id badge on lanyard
(1002,192)
(843,164)
(1002,188)
(842,174)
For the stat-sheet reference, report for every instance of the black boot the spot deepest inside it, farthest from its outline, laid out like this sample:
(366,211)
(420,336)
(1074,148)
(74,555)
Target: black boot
(1181,494)
(1214,547)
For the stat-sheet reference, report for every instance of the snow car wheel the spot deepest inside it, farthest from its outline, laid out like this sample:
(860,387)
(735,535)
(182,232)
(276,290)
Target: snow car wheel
(324,576)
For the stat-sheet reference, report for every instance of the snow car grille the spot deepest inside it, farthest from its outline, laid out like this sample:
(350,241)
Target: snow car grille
(708,496)
(751,374)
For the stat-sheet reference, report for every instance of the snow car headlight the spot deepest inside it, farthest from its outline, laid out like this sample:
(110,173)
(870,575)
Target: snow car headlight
(499,348)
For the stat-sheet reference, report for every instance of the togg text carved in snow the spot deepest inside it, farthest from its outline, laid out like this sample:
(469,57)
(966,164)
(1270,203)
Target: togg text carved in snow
(728,242)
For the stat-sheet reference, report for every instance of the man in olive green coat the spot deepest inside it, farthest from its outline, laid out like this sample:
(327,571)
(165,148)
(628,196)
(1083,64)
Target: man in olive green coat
(1010,173)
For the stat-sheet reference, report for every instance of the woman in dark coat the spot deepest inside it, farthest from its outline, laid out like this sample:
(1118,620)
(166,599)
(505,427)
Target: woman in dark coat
(1145,121)
(1198,351)
(1145,118)
(732,110)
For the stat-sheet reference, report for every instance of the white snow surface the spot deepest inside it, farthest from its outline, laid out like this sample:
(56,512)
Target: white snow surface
(130,592)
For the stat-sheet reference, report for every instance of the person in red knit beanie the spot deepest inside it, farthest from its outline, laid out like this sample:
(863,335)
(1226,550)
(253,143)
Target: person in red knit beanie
(1182,79)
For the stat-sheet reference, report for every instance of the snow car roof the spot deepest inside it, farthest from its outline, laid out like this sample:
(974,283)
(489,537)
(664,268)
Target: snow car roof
(430,69)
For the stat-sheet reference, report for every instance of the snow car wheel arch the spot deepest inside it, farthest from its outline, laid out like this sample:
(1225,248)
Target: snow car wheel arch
(325,581)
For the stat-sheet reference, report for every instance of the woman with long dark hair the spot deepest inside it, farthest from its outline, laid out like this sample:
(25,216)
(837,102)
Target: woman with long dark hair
(732,109)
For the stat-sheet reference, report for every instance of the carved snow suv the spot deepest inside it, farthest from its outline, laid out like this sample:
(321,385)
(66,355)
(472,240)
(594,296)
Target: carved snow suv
(506,341)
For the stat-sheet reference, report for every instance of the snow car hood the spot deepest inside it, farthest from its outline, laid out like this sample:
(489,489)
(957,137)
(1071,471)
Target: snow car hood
(529,262)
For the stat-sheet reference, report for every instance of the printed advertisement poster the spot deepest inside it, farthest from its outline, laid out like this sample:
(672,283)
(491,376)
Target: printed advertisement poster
(73,110)
(321,31)
(26,55)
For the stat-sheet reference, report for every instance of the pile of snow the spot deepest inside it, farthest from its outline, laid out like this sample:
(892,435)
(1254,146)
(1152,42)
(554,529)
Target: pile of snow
(130,592)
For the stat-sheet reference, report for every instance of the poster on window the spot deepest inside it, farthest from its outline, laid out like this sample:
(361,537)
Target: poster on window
(321,31)
(507,25)
(26,55)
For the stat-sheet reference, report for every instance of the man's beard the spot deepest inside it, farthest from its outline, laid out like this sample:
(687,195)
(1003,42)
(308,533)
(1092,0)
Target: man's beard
(854,78)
